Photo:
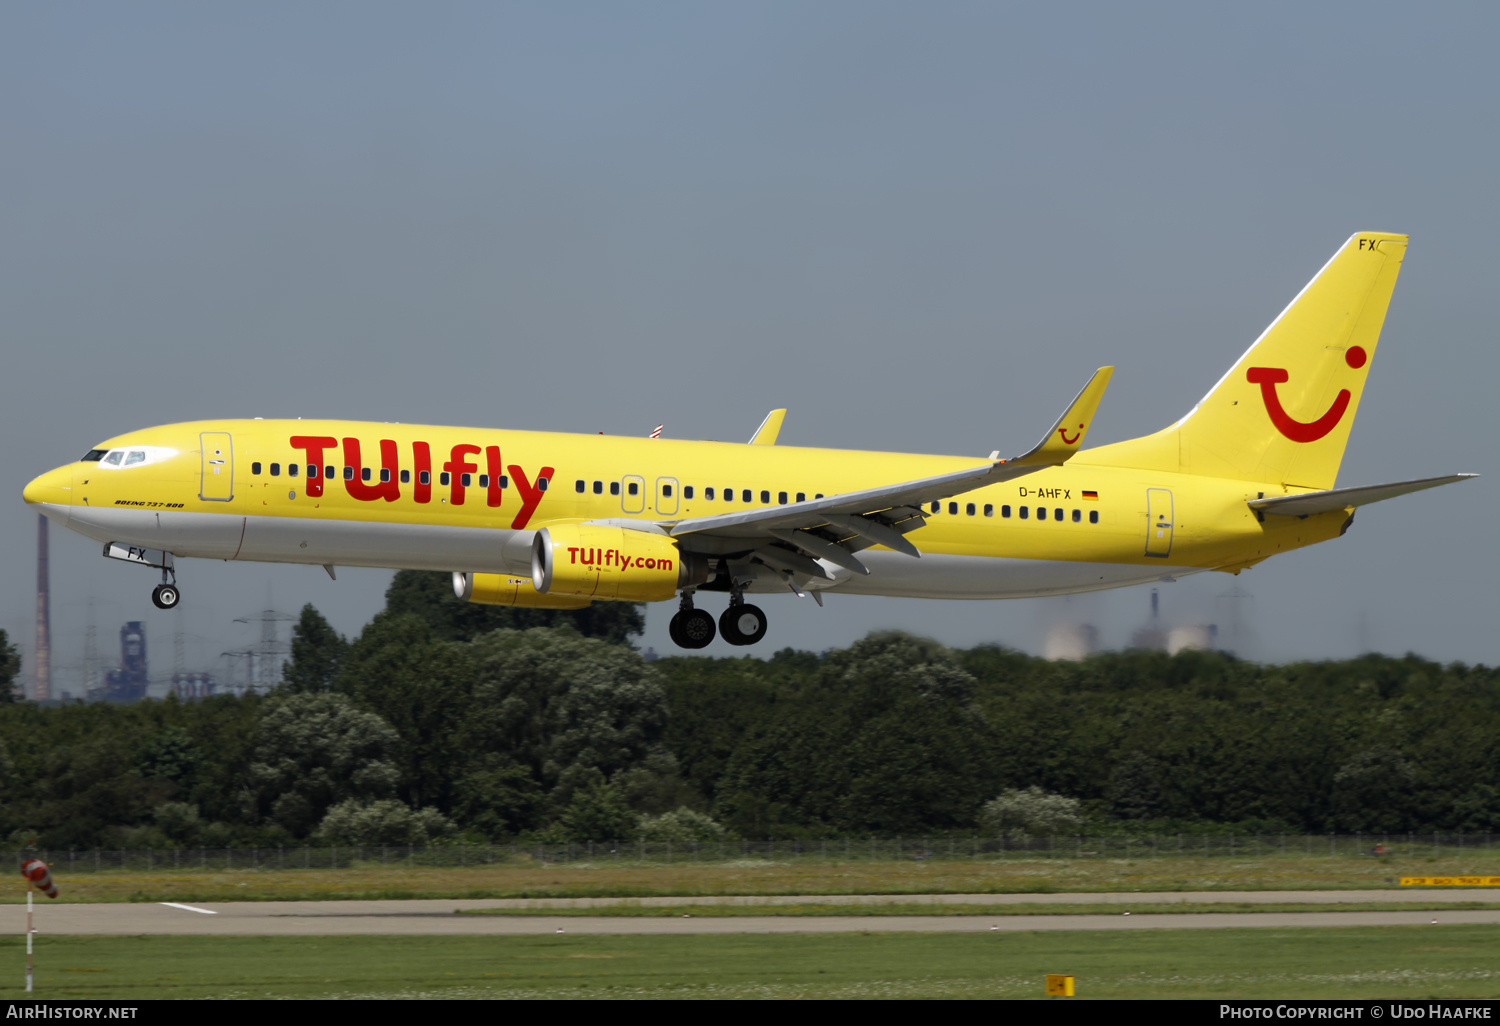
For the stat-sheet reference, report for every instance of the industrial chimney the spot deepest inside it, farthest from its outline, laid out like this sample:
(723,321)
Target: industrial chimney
(43,616)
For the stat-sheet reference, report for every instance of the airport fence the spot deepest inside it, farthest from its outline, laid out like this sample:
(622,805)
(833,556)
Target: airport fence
(830,850)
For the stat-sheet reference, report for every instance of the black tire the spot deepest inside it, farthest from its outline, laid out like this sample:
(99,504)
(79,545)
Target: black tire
(165,596)
(692,629)
(743,624)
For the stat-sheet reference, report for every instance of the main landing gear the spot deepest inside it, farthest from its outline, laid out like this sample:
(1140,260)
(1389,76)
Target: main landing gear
(691,628)
(740,624)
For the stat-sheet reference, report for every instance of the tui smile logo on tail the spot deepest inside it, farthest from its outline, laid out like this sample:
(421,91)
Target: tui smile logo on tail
(1269,377)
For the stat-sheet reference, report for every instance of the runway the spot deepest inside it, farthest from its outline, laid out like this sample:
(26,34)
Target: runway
(439,917)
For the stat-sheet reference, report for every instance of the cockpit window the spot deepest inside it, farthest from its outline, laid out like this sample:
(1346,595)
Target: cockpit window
(135,457)
(94,455)
(114,457)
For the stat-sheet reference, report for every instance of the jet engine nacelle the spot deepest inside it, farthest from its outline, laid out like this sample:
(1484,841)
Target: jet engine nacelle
(509,590)
(612,563)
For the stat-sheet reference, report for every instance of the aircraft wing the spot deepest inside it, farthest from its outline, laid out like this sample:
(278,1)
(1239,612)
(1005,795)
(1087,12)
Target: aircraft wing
(834,527)
(1309,503)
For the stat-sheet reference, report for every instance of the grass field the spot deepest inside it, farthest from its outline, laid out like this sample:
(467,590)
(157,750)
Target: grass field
(1387,962)
(751,877)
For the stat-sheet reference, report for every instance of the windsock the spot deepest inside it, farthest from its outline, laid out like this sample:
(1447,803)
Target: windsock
(36,871)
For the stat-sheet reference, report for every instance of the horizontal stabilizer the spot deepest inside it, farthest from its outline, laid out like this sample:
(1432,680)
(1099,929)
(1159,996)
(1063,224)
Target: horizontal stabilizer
(1309,503)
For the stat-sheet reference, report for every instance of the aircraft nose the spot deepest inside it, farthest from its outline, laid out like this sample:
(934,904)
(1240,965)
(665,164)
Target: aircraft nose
(54,488)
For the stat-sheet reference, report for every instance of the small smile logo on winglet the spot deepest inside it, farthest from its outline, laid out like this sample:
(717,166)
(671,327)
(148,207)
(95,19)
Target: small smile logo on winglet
(1269,377)
(1062,433)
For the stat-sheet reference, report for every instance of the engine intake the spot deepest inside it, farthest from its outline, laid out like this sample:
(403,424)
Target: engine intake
(509,590)
(612,563)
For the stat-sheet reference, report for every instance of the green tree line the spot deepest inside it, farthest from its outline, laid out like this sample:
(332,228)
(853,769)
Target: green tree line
(443,721)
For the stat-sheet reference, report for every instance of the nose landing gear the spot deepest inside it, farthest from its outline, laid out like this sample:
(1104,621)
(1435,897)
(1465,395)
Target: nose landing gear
(165,595)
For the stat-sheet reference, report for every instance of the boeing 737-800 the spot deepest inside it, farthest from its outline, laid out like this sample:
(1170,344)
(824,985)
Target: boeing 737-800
(561,520)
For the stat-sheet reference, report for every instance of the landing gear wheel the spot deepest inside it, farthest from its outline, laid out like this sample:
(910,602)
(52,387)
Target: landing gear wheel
(742,624)
(165,596)
(692,628)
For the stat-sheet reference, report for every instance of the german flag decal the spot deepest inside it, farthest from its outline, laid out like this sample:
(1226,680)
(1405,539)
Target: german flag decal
(1091,495)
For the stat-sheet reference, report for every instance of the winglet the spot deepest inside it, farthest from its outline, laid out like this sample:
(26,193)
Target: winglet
(769,429)
(1067,435)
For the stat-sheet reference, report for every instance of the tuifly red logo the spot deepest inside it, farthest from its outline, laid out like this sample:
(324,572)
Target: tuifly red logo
(1298,431)
(1062,433)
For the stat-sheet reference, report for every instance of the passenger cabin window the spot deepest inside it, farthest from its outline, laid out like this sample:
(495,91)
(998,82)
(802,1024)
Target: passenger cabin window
(1005,512)
(330,472)
(598,487)
(406,477)
(541,483)
(801,496)
(1077,516)
(312,470)
(484,480)
(708,493)
(989,509)
(1057,514)
(93,455)
(505,482)
(364,473)
(969,509)
(745,496)
(444,478)
(255,469)
(666,491)
(424,477)
(1093,516)
(385,475)
(1041,512)
(614,488)
(1025,512)
(635,488)
(781,498)
(466,479)
(348,473)
(687,491)
(114,458)
(291,469)
(276,470)
(953,508)
(579,486)
(765,496)
(936,506)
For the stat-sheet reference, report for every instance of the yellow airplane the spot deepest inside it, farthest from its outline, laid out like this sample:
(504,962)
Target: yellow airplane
(561,520)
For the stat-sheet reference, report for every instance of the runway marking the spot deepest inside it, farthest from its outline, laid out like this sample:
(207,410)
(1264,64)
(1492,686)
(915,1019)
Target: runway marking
(189,908)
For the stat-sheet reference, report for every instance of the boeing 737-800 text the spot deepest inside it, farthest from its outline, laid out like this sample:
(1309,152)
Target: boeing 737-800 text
(561,520)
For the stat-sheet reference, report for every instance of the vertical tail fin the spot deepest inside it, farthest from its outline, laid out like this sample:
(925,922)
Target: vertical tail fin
(1283,412)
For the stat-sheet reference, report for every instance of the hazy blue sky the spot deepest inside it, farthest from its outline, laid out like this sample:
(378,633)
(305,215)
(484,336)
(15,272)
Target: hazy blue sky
(918,226)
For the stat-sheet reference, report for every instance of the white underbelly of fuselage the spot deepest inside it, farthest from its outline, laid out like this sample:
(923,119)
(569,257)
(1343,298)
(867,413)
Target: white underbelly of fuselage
(940,576)
(305,540)
(500,550)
